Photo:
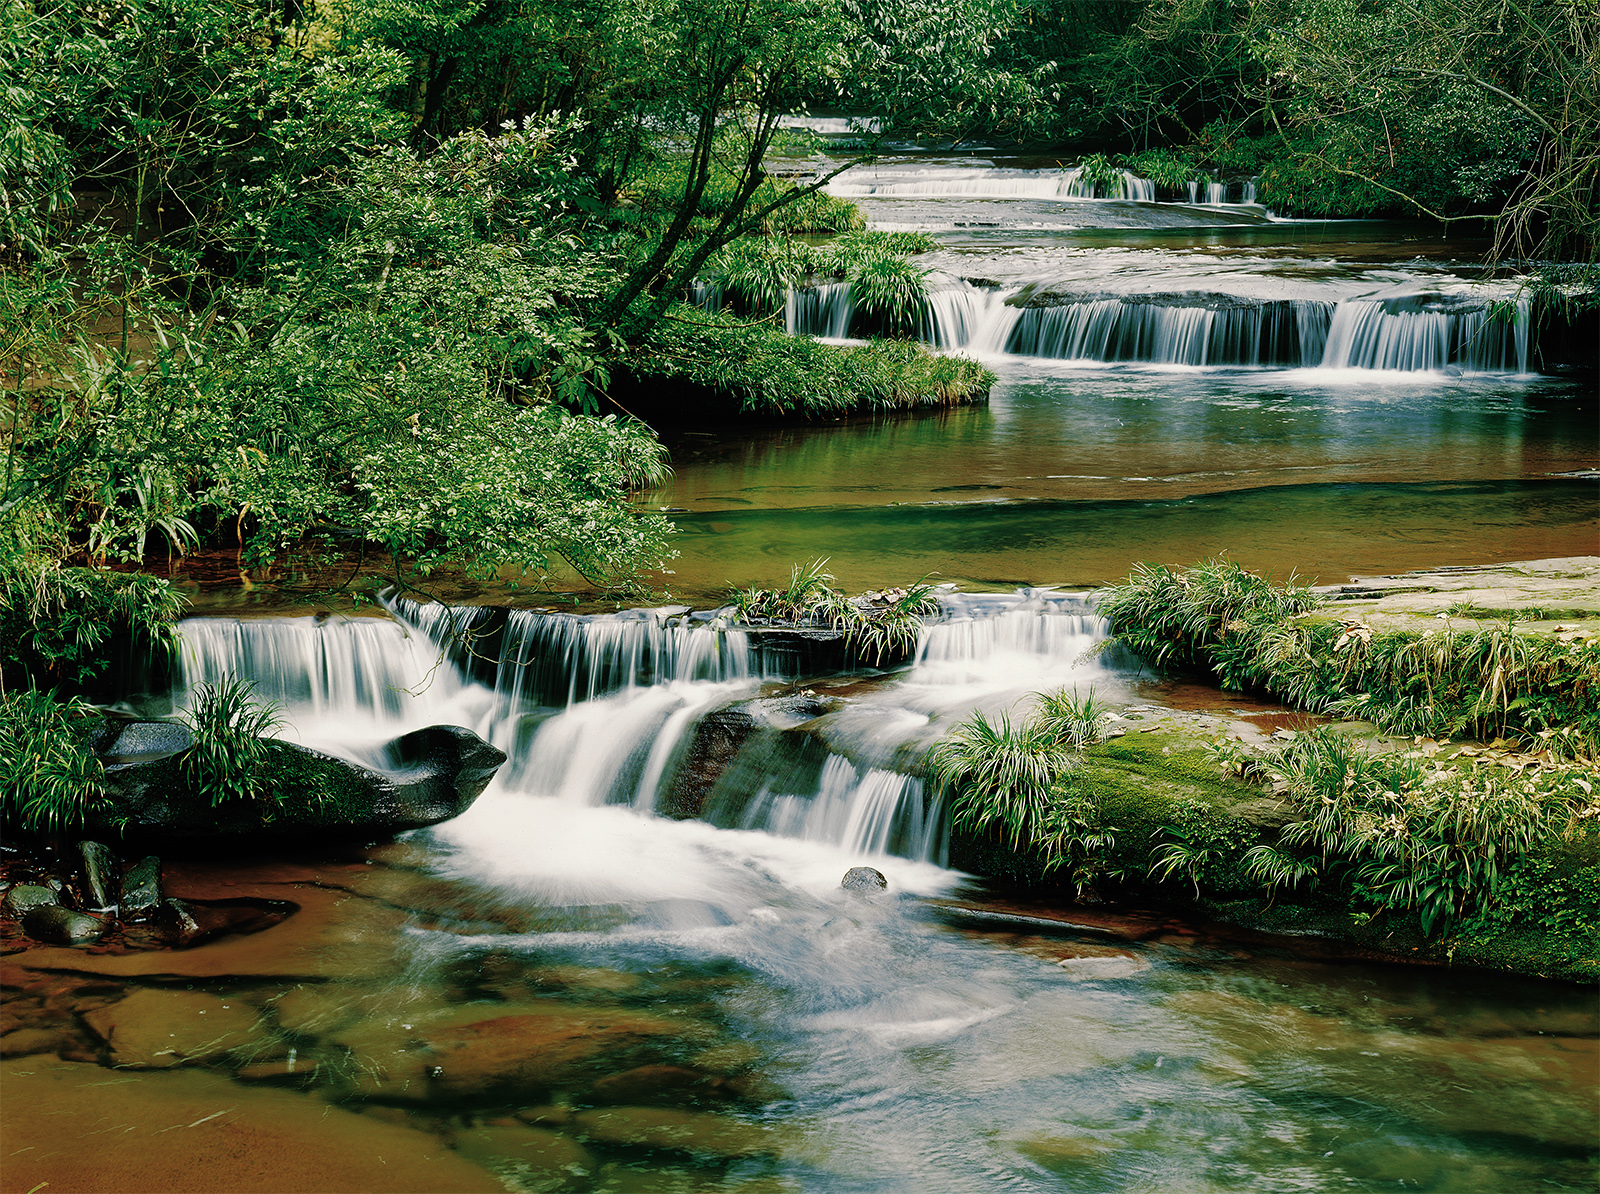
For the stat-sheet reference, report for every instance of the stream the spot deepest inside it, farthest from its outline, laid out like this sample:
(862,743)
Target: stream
(1327,397)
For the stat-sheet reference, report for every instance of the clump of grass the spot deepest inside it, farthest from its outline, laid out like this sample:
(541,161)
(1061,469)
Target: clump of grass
(1404,832)
(49,778)
(1488,681)
(1098,171)
(875,625)
(890,291)
(231,747)
(1163,167)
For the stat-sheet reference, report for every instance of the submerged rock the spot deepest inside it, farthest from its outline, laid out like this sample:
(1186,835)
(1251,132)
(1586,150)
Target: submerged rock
(26,896)
(153,1029)
(429,775)
(687,1131)
(864,880)
(528,1158)
(62,926)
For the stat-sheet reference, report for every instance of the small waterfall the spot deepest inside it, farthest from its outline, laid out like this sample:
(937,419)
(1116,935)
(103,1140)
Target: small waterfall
(1140,189)
(985,183)
(867,811)
(367,667)
(966,316)
(1216,193)
(707,295)
(1418,332)
(1038,640)
(1119,329)
(823,310)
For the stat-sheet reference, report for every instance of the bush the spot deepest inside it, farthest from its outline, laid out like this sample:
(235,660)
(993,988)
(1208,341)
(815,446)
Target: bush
(231,743)
(49,778)
(874,624)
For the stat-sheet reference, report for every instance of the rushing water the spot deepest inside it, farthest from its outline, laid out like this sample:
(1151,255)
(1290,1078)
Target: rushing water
(1173,380)
(898,1050)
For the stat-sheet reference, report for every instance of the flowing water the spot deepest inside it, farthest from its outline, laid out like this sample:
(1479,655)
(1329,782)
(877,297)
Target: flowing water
(1174,379)
(880,1044)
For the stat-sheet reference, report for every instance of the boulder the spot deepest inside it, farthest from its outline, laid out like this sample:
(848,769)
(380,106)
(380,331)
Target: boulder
(717,739)
(661,1086)
(429,775)
(26,896)
(141,887)
(864,880)
(61,926)
(100,874)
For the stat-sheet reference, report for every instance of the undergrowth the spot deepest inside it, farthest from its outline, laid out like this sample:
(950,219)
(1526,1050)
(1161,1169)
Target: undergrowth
(1489,681)
(875,625)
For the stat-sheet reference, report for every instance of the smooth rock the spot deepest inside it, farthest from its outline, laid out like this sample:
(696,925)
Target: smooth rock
(26,896)
(865,880)
(688,1131)
(660,1086)
(27,1041)
(100,874)
(193,1132)
(61,926)
(527,1158)
(141,887)
(155,1029)
(521,1058)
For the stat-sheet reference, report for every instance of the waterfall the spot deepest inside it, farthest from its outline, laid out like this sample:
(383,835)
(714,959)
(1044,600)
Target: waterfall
(1119,329)
(984,183)
(823,310)
(965,316)
(1418,332)
(866,810)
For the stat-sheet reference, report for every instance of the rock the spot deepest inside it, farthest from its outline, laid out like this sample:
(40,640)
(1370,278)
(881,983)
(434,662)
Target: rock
(188,1131)
(864,880)
(143,741)
(527,1158)
(25,896)
(153,1029)
(661,1086)
(687,1131)
(430,775)
(100,874)
(141,887)
(27,1041)
(290,1071)
(187,923)
(716,741)
(61,926)
(522,1058)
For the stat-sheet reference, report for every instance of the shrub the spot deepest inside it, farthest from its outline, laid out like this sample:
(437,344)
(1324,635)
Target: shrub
(874,624)
(231,744)
(49,778)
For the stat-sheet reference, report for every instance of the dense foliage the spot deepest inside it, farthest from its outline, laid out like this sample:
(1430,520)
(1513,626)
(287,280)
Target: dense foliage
(1250,634)
(875,625)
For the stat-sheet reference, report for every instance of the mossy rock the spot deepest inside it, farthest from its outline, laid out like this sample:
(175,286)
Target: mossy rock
(304,794)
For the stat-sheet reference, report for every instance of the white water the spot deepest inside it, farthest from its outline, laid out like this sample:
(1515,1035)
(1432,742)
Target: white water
(1356,333)
(600,711)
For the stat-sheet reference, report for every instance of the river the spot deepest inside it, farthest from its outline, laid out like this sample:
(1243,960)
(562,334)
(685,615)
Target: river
(935,1038)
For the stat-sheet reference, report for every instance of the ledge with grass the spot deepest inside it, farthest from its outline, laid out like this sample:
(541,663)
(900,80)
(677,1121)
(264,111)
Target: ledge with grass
(1375,829)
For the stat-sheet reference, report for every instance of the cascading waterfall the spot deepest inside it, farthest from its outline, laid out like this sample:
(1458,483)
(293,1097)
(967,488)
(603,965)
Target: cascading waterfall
(1410,334)
(1117,329)
(987,183)
(1387,334)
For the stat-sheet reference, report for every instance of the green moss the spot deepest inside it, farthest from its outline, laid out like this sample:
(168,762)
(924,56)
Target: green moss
(296,788)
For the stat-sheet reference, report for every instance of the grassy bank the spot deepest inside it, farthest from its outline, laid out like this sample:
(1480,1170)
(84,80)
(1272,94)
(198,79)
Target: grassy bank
(1377,830)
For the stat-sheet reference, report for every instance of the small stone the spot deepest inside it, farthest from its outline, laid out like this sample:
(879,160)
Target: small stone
(547,1115)
(141,887)
(287,1072)
(25,896)
(100,874)
(864,880)
(61,926)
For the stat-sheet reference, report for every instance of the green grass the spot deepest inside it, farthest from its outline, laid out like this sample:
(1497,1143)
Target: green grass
(875,625)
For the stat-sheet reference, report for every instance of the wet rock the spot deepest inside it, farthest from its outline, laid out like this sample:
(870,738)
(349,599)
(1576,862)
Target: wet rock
(687,1131)
(26,896)
(527,1158)
(519,1058)
(187,923)
(661,1086)
(864,880)
(388,1061)
(141,887)
(729,1058)
(100,874)
(153,1029)
(25,1042)
(717,739)
(61,926)
(546,1115)
(429,775)
(189,1129)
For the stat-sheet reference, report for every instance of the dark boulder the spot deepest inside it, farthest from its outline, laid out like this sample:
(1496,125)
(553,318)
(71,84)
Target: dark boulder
(100,879)
(25,897)
(141,887)
(428,776)
(717,739)
(61,926)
